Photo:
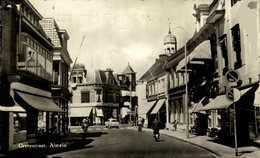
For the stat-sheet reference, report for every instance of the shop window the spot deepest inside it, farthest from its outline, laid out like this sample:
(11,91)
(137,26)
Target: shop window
(233,2)
(85,97)
(41,122)
(20,132)
(223,47)
(236,45)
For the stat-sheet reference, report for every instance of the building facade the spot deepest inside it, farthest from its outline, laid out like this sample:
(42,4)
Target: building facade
(61,67)
(128,101)
(96,95)
(225,41)
(26,76)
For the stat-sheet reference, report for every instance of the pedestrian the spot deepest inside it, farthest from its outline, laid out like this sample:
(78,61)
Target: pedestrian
(156,128)
(84,125)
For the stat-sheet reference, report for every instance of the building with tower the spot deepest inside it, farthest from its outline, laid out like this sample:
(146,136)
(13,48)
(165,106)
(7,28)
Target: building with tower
(170,43)
(127,82)
(154,84)
(96,95)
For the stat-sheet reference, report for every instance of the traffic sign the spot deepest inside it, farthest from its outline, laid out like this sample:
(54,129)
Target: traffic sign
(233,95)
(232,76)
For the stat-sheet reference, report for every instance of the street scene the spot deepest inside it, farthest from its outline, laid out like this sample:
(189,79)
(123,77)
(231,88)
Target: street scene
(129,78)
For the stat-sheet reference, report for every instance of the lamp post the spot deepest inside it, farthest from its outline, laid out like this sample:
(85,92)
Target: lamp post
(186,82)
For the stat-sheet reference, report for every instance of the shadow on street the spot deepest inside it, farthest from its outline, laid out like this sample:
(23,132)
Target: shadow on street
(75,141)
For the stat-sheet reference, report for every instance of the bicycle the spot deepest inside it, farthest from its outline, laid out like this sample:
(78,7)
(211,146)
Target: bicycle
(139,128)
(156,135)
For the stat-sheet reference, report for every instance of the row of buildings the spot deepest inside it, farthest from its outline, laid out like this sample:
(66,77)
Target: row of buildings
(34,69)
(226,43)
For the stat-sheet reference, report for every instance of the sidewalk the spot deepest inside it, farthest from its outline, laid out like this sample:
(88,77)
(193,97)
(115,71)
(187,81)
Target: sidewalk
(218,149)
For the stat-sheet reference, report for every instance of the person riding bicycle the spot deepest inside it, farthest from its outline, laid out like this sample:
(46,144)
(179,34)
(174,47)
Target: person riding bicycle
(140,123)
(85,124)
(156,128)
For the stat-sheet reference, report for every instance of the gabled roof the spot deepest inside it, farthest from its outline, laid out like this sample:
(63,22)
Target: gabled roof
(129,70)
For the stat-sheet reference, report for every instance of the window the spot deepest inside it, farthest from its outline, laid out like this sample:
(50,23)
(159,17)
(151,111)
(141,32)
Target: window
(98,92)
(223,47)
(80,79)
(236,46)
(84,97)
(74,80)
(214,53)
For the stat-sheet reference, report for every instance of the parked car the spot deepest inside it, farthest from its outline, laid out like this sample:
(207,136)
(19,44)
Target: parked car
(112,123)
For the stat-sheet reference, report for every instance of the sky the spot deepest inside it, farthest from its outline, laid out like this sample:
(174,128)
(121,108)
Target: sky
(118,32)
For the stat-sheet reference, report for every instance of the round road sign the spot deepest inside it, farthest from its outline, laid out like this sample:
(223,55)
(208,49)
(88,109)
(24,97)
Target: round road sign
(233,95)
(232,76)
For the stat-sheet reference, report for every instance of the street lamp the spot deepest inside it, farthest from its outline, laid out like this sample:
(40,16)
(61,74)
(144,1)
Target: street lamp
(186,81)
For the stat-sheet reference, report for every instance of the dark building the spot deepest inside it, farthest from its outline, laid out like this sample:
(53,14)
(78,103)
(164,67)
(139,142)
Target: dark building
(26,69)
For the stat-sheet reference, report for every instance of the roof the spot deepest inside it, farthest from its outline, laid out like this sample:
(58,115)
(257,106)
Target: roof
(170,39)
(155,71)
(100,77)
(129,70)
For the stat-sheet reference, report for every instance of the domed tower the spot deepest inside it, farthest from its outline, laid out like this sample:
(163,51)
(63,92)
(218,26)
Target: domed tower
(170,43)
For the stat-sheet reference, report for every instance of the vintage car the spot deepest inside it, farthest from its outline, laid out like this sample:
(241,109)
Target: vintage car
(112,123)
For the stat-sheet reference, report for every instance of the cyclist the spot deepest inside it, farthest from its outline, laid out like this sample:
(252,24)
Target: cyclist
(140,123)
(85,124)
(156,128)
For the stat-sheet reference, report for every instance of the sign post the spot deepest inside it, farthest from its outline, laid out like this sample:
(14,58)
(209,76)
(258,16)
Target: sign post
(233,95)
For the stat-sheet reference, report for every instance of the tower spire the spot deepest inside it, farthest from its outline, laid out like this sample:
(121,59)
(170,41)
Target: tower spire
(170,28)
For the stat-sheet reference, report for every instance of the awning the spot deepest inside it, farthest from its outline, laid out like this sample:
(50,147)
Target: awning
(40,103)
(80,112)
(200,53)
(99,112)
(197,106)
(257,98)
(125,93)
(221,102)
(158,106)
(15,108)
(125,111)
(143,109)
